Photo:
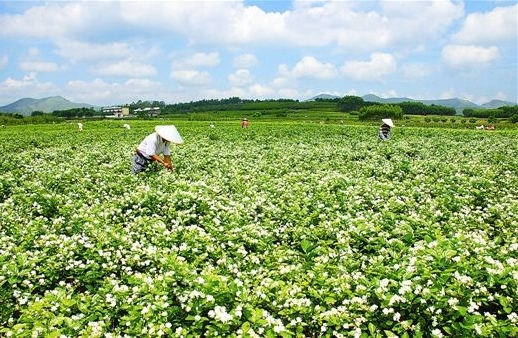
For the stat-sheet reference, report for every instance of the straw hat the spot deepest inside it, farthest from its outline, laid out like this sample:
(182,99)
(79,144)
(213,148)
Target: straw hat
(169,133)
(245,119)
(389,122)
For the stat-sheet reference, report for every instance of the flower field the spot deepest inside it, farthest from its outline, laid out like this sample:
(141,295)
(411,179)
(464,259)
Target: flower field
(279,230)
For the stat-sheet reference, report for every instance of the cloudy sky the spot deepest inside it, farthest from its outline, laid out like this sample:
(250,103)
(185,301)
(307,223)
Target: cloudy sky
(109,52)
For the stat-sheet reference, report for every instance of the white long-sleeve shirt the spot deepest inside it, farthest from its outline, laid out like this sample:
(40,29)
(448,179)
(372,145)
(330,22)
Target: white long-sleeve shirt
(153,144)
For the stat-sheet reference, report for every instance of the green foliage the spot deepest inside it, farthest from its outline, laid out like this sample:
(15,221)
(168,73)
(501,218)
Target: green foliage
(286,229)
(502,112)
(350,103)
(75,112)
(514,118)
(377,112)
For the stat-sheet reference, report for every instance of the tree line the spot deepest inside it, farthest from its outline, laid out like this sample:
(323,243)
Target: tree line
(355,105)
(502,112)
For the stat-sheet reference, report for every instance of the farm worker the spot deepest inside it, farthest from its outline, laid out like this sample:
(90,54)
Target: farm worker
(244,123)
(127,126)
(80,126)
(154,145)
(384,131)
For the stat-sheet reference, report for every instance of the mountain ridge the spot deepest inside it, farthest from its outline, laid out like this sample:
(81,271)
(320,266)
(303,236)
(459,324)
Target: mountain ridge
(456,103)
(27,105)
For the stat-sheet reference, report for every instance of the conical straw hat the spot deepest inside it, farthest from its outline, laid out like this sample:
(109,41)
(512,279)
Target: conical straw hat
(169,133)
(388,121)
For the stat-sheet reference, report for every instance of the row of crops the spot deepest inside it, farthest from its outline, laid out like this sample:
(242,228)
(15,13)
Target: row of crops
(278,230)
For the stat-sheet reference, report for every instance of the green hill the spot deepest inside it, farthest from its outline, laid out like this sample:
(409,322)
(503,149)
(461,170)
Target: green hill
(26,106)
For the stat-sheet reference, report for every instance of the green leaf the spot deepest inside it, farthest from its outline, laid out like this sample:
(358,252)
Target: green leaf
(462,310)
(53,334)
(505,304)
(245,327)
(372,328)
(306,246)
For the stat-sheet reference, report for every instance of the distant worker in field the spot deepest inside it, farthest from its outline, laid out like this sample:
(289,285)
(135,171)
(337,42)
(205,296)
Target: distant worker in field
(80,126)
(154,145)
(244,123)
(384,131)
(126,126)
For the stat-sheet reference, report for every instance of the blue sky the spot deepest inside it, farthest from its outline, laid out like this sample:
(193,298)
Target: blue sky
(108,52)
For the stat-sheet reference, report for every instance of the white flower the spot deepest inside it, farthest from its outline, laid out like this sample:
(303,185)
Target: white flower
(437,333)
(453,301)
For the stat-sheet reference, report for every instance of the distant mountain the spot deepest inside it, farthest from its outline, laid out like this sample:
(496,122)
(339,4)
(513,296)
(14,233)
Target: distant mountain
(493,104)
(324,96)
(374,98)
(47,105)
(457,104)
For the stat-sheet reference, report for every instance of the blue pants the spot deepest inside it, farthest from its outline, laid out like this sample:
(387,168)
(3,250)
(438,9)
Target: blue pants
(139,163)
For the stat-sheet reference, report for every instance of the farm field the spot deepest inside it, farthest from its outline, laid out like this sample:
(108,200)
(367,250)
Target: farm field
(280,230)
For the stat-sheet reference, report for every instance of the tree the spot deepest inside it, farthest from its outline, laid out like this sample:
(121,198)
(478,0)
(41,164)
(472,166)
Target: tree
(378,112)
(413,108)
(350,103)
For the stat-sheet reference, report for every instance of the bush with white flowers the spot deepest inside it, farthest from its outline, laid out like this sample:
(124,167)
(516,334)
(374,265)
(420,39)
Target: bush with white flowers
(281,229)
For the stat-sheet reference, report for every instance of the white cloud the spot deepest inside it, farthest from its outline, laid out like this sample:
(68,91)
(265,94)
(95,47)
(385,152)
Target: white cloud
(126,68)
(56,20)
(32,62)
(309,67)
(107,93)
(214,93)
(416,70)
(260,91)
(50,21)
(500,96)
(469,57)
(207,22)
(418,21)
(356,25)
(498,25)
(290,93)
(39,66)
(280,81)
(380,65)
(191,77)
(13,89)
(80,51)
(240,78)
(203,60)
(245,61)
(447,94)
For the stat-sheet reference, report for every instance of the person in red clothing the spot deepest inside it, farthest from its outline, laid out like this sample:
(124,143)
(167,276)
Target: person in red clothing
(244,123)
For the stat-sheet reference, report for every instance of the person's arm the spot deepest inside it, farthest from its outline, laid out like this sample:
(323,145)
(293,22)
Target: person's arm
(165,162)
(168,164)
